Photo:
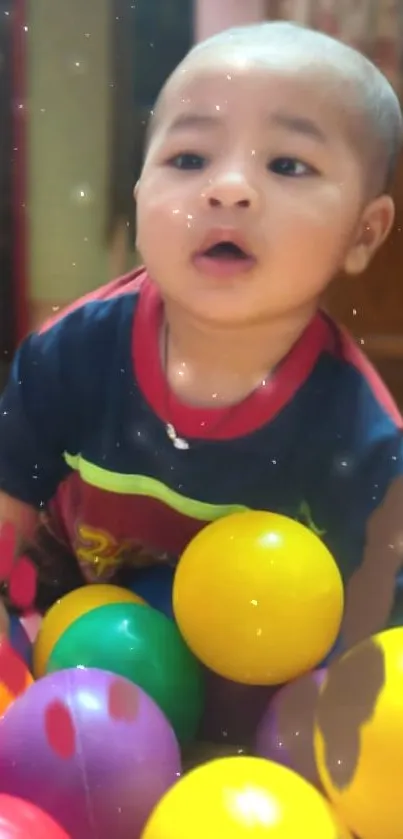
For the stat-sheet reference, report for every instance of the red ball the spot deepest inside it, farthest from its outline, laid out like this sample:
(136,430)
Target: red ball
(21,820)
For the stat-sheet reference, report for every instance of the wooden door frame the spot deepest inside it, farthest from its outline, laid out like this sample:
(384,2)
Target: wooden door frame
(20,116)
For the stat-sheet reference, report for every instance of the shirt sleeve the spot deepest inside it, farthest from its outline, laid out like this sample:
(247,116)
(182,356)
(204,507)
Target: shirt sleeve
(49,401)
(349,494)
(362,508)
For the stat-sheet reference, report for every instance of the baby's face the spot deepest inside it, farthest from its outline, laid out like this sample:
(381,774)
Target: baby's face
(259,155)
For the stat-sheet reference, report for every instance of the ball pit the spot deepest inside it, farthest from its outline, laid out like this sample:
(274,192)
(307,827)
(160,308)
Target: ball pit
(90,749)
(67,610)
(143,645)
(258,598)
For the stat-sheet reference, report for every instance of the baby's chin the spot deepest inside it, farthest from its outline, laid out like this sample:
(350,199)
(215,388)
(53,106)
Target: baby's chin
(226,305)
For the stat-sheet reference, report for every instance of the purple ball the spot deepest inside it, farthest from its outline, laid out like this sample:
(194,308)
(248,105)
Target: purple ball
(285,733)
(91,749)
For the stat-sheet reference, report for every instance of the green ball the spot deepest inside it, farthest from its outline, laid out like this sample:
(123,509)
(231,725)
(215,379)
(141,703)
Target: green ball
(143,645)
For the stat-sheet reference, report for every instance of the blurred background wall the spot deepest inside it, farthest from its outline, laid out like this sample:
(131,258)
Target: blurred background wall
(78,81)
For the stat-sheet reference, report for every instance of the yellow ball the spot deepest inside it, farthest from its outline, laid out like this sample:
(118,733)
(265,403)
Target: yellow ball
(241,798)
(343,833)
(258,598)
(68,609)
(359,736)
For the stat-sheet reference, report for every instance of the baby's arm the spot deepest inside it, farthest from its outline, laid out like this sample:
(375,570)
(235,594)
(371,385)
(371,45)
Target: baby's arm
(21,515)
(46,409)
(371,590)
(32,431)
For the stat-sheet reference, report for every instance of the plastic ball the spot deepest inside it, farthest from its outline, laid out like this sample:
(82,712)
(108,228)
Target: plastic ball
(21,820)
(15,678)
(91,749)
(359,736)
(286,731)
(67,610)
(144,646)
(241,797)
(155,585)
(258,598)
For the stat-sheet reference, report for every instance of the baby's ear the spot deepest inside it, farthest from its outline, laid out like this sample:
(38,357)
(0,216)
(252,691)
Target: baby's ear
(374,227)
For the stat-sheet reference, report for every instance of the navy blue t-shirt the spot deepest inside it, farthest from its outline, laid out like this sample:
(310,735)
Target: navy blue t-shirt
(83,437)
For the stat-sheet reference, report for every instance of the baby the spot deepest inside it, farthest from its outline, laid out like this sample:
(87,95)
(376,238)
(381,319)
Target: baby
(210,381)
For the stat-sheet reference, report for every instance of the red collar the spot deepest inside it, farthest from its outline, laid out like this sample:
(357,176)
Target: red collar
(218,423)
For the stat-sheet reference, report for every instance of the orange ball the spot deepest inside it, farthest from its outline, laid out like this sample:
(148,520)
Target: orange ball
(15,677)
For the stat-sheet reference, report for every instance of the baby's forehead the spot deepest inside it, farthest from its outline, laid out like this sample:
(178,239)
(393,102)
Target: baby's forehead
(216,76)
(324,67)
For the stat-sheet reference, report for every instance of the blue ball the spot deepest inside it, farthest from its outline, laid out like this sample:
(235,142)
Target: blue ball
(19,640)
(154,584)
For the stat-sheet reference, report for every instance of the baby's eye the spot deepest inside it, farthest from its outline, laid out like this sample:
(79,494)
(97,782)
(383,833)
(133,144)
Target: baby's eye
(187,161)
(291,167)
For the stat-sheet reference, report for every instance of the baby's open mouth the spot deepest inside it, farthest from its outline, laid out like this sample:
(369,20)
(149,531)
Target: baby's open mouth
(222,258)
(225,251)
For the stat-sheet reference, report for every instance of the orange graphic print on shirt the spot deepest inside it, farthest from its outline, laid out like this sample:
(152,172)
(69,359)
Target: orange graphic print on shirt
(100,555)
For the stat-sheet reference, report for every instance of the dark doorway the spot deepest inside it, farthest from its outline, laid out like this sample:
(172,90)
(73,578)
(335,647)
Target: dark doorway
(149,38)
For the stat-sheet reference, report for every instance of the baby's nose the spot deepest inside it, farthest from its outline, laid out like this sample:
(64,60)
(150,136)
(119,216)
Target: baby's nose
(231,190)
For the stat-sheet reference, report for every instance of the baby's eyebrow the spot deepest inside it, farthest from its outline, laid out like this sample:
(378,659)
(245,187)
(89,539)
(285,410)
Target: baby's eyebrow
(290,122)
(190,120)
(298,125)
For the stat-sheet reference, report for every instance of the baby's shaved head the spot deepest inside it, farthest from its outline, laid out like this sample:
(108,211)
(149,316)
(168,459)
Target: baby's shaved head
(371,106)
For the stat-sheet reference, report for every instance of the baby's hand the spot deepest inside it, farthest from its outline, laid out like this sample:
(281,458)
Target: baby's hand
(18,573)
(4,622)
